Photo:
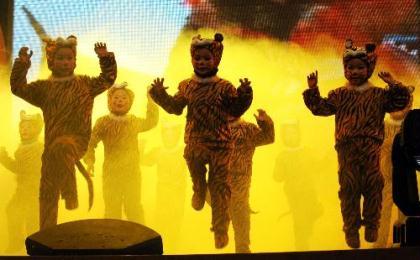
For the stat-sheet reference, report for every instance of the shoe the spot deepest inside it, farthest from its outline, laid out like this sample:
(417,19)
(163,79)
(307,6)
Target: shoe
(371,234)
(71,203)
(220,240)
(198,200)
(352,239)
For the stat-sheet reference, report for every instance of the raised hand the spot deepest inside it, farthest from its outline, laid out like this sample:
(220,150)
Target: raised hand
(312,79)
(157,85)
(100,49)
(245,83)
(262,115)
(24,56)
(387,77)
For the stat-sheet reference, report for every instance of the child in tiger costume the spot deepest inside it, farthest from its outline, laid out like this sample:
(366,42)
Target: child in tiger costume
(118,132)
(22,209)
(247,137)
(210,101)
(359,109)
(392,127)
(171,184)
(66,101)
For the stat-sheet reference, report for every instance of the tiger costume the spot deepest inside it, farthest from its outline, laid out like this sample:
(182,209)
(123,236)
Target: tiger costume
(121,167)
(66,101)
(21,211)
(247,136)
(170,185)
(210,101)
(359,132)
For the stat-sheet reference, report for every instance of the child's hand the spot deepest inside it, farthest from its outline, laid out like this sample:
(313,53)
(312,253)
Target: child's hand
(313,79)
(387,77)
(245,85)
(262,115)
(157,85)
(24,56)
(100,49)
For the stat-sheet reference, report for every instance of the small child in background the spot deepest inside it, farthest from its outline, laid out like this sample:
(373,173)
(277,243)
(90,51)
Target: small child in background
(118,132)
(22,210)
(247,137)
(297,167)
(171,184)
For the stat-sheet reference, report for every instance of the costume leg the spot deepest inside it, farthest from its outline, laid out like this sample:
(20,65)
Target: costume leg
(350,190)
(15,224)
(240,211)
(196,157)
(113,198)
(373,184)
(132,201)
(49,193)
(219,187)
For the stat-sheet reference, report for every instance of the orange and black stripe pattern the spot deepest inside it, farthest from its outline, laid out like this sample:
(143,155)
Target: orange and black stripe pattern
(358,113)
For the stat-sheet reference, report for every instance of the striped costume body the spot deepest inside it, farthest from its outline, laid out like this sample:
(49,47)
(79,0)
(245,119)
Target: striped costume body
(210,102)
(359,133)
(121,166)
(67,105)
(247,137)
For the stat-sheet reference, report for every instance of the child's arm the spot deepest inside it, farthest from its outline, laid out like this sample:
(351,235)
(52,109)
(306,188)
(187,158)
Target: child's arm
(108,70)
(95,138)
(397,96)
(265,133)
(319,106)
(172,105)
(152,116)
(34,92)
(239,100)
(6,161)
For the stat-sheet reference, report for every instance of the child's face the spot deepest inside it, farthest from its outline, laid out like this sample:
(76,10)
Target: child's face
(203,61)
(120,102)
(356,72)
(27,130)
(290,136)
(64,62)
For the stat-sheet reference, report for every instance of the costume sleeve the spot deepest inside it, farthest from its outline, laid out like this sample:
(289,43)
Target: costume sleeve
(151,120)
(107,77)
(396,97)
(150,158)
(34,92)
(8,162)
(237,101)
(264,133)
(95,138)
(320,106)
(171,104)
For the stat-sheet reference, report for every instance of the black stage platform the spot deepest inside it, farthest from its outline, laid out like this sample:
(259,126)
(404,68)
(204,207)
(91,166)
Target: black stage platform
(407,253)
